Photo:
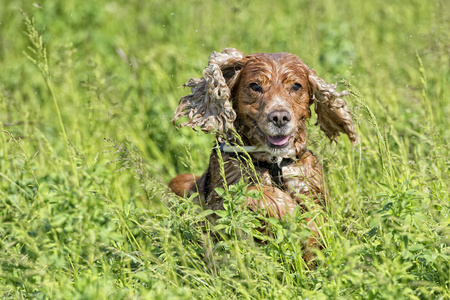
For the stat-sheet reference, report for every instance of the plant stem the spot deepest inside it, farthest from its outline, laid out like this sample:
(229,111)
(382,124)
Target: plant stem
(63,130)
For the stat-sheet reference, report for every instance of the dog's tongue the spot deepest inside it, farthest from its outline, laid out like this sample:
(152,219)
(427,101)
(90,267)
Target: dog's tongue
(278,140)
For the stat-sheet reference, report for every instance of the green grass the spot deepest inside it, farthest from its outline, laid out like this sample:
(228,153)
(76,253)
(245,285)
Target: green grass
(87,94)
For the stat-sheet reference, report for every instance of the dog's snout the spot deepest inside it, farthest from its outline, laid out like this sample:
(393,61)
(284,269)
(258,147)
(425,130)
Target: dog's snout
(279,118)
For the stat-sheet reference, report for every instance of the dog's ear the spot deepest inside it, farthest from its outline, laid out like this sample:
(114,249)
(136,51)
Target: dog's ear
(333,115)
(209,107)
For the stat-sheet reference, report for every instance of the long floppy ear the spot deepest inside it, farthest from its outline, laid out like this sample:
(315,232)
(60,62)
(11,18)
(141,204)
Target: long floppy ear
(209,107)
(333,115)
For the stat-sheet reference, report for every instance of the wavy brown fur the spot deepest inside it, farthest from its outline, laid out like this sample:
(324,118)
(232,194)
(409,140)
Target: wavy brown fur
(332,111)
(208,107)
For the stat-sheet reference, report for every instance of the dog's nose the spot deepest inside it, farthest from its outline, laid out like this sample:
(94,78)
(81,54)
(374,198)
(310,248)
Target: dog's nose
(279,117)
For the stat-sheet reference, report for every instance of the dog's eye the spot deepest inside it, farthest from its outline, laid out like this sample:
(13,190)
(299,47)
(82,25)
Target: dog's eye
(296,86)
(255,87)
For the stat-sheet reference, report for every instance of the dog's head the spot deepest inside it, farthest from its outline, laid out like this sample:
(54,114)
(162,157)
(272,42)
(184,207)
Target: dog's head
(270,98)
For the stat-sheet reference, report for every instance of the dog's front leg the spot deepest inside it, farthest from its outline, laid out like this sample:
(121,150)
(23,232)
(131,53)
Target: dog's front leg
(272,201)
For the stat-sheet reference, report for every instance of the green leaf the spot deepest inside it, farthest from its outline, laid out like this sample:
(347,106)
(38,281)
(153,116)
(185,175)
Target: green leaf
(206,213)
(220,227)
(221,213)
(254,194)
(43,189)
(415,247)
(381,194)
(220,191)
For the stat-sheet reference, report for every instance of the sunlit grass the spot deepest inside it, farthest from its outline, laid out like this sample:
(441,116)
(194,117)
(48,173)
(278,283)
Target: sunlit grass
(94,105)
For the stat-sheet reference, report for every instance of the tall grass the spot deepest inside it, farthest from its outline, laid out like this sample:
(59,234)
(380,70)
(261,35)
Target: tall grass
(38,56)
(94,106)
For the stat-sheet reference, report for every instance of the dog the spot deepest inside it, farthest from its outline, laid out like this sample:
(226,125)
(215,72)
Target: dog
(258,107)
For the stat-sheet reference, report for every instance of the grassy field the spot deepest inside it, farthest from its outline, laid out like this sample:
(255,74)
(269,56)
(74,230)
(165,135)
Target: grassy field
(87,94)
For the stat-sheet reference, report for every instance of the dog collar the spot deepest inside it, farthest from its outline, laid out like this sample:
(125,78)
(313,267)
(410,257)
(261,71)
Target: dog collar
(238,149)
(275,167)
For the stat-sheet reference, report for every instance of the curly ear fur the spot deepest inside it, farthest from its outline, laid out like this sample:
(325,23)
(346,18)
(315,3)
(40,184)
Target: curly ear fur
(333,115)
(208,107)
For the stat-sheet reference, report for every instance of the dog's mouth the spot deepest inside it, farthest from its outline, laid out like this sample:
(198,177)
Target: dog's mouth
(280,141)
(274,141)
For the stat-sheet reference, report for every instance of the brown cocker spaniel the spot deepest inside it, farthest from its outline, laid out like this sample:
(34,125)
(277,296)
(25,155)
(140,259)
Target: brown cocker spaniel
(259,104)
